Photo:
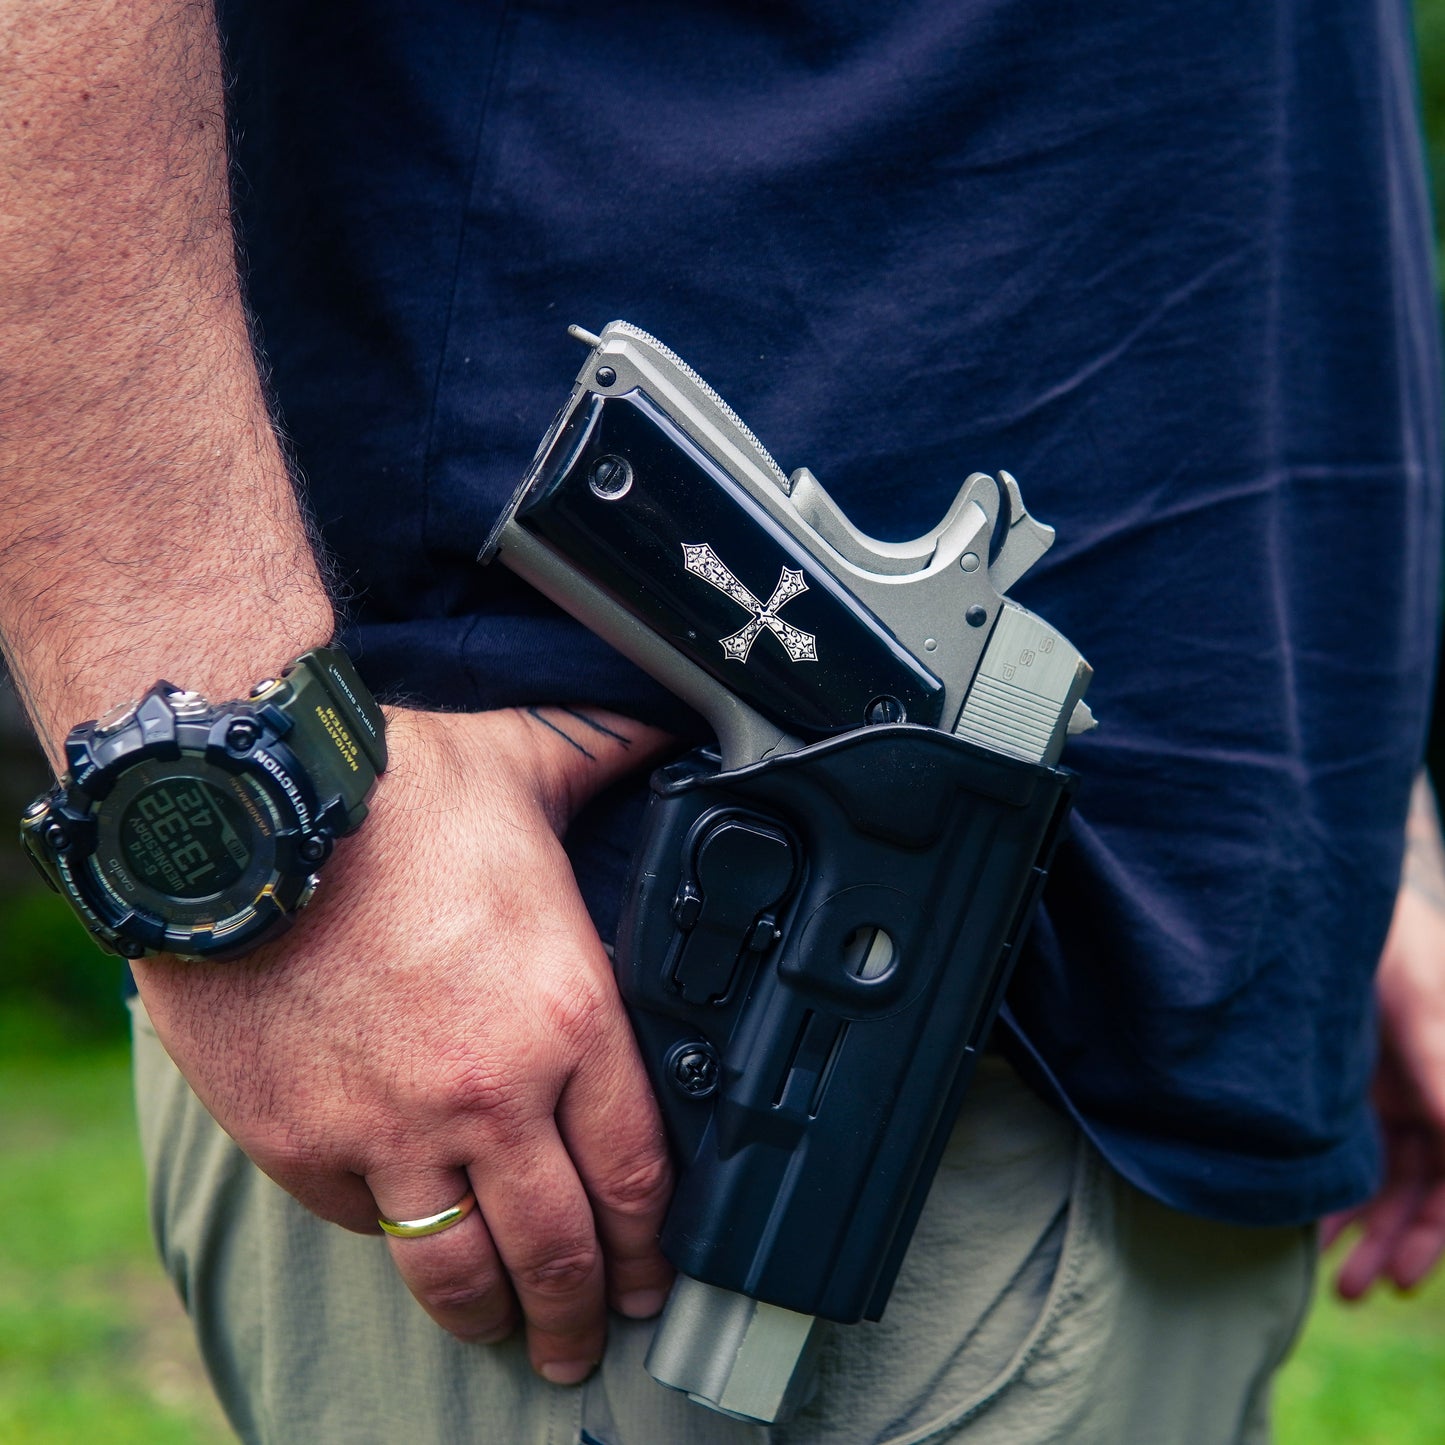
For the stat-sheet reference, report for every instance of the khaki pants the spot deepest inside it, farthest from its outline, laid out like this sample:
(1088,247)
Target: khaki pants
(1043,1299)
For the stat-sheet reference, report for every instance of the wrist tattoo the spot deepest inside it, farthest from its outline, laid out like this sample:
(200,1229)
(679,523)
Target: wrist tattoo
(536,715)
(598,727)
(574,726)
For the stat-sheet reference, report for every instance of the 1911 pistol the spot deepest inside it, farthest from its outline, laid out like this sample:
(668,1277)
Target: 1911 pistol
(823,913)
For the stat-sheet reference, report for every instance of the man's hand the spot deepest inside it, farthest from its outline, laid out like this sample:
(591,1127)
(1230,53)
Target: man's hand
(444,1017)
(1402,1230)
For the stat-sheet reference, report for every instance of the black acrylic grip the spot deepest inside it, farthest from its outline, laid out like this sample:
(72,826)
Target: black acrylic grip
(640,510)
(809,1070)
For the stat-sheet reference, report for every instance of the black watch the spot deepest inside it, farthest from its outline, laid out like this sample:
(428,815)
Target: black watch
(197,829)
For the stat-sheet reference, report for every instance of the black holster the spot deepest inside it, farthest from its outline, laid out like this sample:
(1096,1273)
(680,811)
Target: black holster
(810,1071)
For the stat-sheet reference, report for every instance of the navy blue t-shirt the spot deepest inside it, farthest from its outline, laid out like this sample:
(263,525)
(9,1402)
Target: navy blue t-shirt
(1167,264)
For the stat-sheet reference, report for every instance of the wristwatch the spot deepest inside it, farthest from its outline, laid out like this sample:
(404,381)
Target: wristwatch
(189,828)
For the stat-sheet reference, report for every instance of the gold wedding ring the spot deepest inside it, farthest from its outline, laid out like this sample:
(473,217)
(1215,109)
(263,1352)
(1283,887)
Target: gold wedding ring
(433,1223)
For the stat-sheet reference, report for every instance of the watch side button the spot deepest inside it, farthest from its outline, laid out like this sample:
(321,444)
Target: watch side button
(308,891)
(188,704)
(115,718)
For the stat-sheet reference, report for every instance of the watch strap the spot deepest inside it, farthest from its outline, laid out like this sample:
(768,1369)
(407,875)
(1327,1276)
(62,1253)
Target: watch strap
(334,727)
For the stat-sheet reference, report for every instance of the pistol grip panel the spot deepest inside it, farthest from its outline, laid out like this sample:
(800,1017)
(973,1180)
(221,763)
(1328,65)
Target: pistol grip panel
(658,525)
(839,1063)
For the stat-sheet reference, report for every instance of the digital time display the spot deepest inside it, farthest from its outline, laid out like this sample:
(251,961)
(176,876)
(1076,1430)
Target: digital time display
(184,837)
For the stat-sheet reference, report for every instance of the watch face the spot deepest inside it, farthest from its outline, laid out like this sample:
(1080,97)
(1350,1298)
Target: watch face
(186,840)
(184,837)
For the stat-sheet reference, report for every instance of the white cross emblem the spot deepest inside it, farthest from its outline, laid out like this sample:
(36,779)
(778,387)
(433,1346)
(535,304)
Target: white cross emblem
(702,561)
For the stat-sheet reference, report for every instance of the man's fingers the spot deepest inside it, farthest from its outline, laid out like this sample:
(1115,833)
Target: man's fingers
(455,1274)
(614,1134)
(1381,1230)
(1385,1219)
(340,1197)
(542,1222)
(1422,1242)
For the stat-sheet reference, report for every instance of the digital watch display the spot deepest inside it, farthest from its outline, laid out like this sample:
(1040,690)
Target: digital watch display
(184,828)
(182,837)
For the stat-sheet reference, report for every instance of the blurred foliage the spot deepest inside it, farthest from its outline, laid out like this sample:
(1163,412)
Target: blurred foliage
(1430,42)
(58,991)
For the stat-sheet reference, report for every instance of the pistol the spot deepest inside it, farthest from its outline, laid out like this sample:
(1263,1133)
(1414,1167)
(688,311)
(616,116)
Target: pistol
(824,910)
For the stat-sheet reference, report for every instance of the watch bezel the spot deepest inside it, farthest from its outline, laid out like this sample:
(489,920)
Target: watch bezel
(108,769)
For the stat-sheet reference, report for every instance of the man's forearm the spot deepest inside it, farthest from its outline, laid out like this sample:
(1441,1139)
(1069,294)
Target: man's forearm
(148,525)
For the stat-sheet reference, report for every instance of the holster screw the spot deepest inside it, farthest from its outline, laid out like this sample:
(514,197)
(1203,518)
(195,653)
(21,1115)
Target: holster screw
(695,1069)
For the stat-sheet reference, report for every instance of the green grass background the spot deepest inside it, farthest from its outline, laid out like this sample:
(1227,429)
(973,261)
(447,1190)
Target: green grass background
(93,1347)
